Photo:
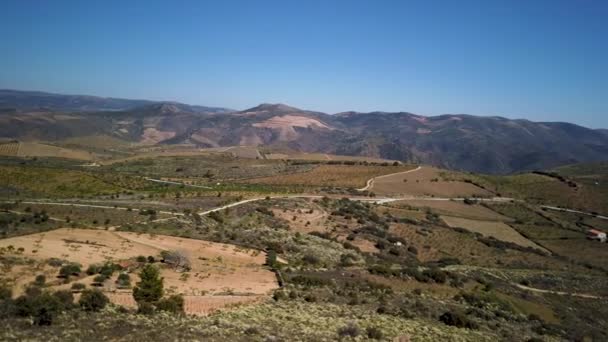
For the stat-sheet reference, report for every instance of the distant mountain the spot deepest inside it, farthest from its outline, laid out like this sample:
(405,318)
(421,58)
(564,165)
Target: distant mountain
(463,142)
(35,100)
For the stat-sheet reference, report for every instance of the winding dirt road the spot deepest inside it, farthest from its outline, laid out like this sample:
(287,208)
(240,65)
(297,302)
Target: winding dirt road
(370,182)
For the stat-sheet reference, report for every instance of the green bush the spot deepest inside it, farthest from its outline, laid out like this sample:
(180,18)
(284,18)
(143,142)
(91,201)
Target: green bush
(374,333)
(123,281)
(457,319)
(65,298)
(78,286)
(68,270)
(349,330)
(93,300)
(42,308)
(174,304)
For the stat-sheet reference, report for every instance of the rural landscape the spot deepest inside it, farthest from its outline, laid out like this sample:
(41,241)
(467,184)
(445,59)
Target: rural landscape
(307,171)
(255,242)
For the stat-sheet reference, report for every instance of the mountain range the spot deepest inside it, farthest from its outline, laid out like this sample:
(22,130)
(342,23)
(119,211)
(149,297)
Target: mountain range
(473,143)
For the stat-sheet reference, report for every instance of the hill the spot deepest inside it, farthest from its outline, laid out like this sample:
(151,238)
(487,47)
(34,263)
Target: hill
(36,100)
(492,145)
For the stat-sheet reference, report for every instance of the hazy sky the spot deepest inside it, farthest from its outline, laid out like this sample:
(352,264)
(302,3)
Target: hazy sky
(541,60)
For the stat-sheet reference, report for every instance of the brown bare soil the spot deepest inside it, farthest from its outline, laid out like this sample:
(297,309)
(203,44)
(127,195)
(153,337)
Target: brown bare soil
(153,136)
(305,221)
(220,274)
(425,182)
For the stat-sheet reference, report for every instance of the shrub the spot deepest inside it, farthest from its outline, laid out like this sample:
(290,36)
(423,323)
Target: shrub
(99,280)
(174,304)
(5,292)
(93,300)
(374,333)
(123,281)
(145,308)
(457,319)
(92,269)
(349,330)
(78,286)
(40,280)
(141,258)
(65,298)
(311,259)
(42,308)
(69,270)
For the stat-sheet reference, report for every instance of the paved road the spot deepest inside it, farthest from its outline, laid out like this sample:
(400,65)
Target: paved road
(370,182)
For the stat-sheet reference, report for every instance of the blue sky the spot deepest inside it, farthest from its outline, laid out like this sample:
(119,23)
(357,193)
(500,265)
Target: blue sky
(540,60)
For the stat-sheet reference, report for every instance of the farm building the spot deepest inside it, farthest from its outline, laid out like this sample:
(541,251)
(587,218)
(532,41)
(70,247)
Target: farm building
(595,234)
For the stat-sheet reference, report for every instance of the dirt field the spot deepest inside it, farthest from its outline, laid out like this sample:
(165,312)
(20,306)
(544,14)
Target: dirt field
(305,221)
(425,182)
(455,208)
(220,274)
(349,176)
(497,230)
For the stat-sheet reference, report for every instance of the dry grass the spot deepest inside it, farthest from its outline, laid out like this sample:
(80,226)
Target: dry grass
(455,208)
(425,182)
(30,149)
(497,230)
(349,176)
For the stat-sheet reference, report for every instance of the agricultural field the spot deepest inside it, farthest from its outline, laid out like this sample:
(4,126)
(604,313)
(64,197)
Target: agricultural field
(413,266)
(346,176)
(31,149)
(39,181)
(497,230)
(215,269)
(453,208)
(427,181)
(204,169)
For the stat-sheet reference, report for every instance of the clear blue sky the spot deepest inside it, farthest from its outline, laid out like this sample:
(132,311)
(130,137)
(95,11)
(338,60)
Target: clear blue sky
(541,60)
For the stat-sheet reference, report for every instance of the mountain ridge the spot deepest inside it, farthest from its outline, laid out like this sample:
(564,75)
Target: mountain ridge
(488,144)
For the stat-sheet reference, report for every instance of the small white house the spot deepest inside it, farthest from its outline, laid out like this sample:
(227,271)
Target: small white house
(595,234)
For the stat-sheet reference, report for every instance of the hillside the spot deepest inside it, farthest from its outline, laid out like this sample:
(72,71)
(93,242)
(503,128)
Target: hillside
(360,250)
(492,145)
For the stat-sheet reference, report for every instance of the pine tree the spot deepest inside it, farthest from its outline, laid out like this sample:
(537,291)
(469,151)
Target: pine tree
(150,288)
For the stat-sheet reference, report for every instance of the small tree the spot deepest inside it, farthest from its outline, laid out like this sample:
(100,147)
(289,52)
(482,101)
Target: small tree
(123,281)
(69,270)
(271,258)
(93,300)
(150,288)
(40,280)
